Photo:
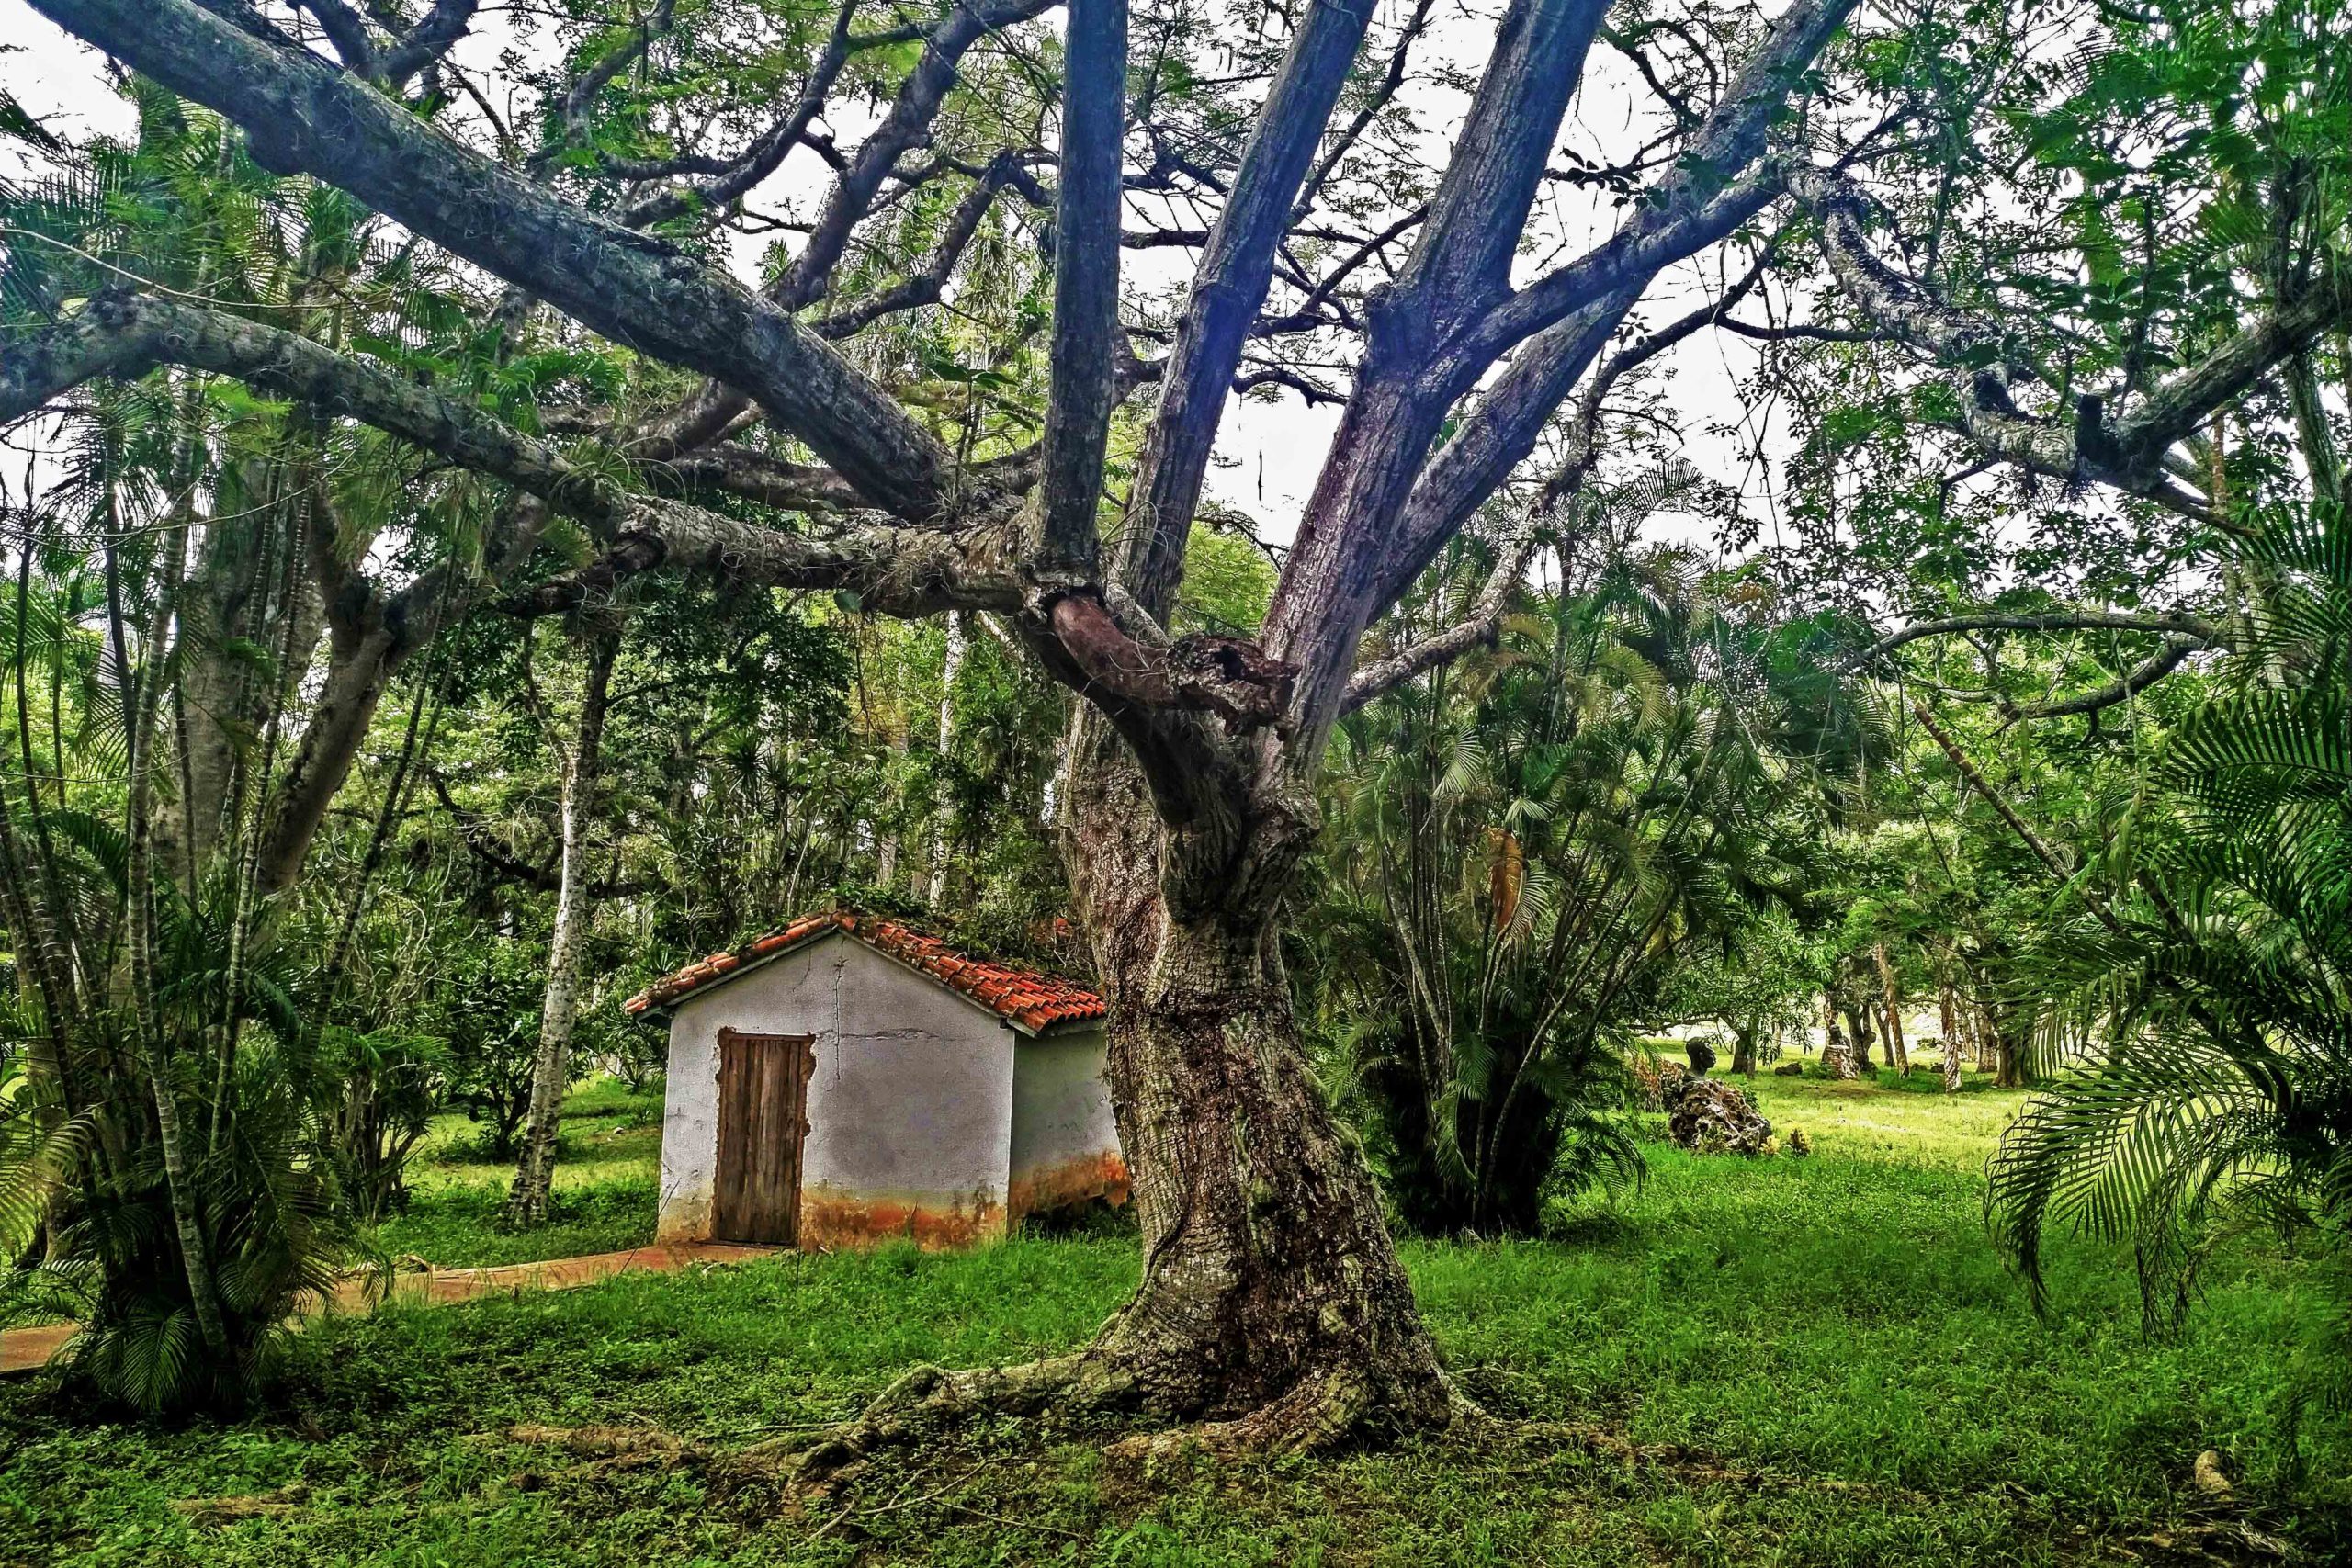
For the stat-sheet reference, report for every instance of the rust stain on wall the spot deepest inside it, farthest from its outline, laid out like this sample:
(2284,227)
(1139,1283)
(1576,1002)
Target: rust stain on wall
(830,1217)
(1100,1175)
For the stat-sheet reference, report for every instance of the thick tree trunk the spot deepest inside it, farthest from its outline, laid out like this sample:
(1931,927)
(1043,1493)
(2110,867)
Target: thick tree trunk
(1271,1289)
(1858,1033)
(360,668)
(258,585)
(552,1067)
(1272,1301)
(2012,1070)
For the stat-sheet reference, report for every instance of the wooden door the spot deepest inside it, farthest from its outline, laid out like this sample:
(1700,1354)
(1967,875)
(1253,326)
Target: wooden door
(763,1114)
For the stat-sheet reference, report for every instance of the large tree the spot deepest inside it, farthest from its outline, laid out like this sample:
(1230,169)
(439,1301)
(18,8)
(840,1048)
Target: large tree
(1272,1300)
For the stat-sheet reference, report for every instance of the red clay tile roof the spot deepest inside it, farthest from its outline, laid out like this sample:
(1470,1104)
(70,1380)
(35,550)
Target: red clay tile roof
(1035,1001)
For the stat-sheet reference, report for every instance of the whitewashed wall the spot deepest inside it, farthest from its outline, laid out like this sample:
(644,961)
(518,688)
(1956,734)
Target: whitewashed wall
(910,1107)
(1065,1145)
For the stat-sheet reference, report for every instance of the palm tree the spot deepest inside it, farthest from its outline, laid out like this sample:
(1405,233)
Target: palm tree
(167,1174)
(1528,847)
(2206,1007)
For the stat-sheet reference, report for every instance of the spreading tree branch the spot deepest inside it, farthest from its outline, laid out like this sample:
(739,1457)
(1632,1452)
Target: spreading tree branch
(2179,624)
(904,570)
(299,113)
(2132,453)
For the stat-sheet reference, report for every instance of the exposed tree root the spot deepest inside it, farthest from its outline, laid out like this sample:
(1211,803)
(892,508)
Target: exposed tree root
(1318,1415)
(609,1442)
(927,1396)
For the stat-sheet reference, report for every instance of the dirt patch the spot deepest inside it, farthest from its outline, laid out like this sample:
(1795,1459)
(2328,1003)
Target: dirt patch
(29,1349)
(834,1218)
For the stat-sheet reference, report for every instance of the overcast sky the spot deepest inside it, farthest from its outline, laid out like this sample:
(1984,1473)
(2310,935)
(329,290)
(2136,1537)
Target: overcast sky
(1269,453)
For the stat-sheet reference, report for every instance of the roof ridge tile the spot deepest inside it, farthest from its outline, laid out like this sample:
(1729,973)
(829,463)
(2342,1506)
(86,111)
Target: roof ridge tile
(1036,998)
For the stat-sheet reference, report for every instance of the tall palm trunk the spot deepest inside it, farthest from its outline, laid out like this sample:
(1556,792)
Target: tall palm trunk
(551,1067)
(179,1175)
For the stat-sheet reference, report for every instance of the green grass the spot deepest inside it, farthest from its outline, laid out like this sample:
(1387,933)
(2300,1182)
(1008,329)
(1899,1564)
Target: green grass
(609,1154)
(1838,1322)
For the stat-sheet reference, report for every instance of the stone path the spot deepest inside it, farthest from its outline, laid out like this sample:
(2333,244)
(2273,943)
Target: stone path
(28,1350)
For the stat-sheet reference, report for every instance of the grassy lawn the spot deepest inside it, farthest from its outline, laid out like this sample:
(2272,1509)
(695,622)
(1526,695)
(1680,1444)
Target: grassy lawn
(608,1156)
(1850,1374)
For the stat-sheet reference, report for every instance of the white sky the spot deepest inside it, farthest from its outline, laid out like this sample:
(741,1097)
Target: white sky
(1269,453)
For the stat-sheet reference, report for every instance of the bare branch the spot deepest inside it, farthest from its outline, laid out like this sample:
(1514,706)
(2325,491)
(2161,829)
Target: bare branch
(1461,268)
(1714,189)
(1480,625)
(2180,624)
(903,130)
(928,284)
(732,178)
(611,64)
(901,570)
(1382,95)
(427,42)
(1235,272)
(1511,417)
(2155,667)
(761,477)
(1483,621)
(347,31)
(1086,285)
(2132,453)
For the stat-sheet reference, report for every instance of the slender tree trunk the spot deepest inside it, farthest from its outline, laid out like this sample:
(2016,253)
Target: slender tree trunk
(552,1067)
(1988,1039)
(31,908)
(1950,1018)
(943,825)
(1898,1055)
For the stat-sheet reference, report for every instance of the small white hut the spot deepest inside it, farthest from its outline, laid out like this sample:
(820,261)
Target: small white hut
(847,1080)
